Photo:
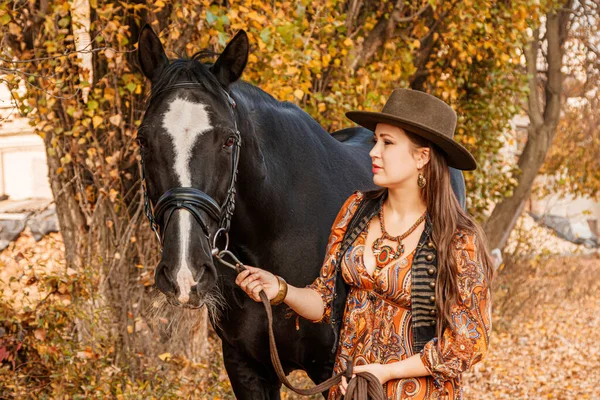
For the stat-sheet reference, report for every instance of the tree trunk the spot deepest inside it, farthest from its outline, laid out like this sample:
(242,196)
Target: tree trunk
(70,219)
(544,106)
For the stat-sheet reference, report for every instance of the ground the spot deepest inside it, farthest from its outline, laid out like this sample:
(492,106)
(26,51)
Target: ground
(544,343)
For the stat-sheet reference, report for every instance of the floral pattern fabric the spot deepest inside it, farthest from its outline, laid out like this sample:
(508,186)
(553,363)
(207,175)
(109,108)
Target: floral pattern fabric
(377,324)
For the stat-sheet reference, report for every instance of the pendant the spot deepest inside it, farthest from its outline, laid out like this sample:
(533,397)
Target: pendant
(384,255)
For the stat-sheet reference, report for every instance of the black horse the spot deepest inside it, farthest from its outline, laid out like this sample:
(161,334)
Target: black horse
(292,179)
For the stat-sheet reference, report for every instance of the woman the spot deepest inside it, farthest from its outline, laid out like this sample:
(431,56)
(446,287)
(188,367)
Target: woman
(418,311)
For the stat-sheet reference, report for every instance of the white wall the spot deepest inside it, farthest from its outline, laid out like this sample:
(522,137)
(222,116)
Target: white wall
(23,167)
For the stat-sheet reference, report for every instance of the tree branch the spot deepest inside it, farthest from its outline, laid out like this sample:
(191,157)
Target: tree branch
(531,52)
(381,32)
(556,34)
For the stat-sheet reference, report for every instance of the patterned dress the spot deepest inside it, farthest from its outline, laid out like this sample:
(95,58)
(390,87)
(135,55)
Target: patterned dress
(377,324)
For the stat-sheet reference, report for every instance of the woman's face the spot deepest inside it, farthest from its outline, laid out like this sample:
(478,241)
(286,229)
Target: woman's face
(394,164)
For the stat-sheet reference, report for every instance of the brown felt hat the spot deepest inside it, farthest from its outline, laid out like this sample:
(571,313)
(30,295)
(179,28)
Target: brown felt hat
(424,115)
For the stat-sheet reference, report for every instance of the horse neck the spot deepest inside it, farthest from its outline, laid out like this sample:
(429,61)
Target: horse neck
(281,146)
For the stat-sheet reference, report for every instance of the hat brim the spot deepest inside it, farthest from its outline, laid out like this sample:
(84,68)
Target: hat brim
(456,155)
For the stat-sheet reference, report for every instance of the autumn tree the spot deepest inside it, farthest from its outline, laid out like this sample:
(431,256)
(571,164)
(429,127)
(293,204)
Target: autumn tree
(566,24)
(572,166)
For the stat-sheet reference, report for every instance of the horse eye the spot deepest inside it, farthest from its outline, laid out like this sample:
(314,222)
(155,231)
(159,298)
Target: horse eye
(230,141)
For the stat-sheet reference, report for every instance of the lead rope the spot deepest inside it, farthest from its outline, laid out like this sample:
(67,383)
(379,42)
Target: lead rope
(364,386)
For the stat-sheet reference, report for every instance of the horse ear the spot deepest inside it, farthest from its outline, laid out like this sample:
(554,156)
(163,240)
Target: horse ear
(151,54)
(231,63)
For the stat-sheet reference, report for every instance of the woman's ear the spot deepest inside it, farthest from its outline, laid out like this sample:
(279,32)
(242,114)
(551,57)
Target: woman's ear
(424,155)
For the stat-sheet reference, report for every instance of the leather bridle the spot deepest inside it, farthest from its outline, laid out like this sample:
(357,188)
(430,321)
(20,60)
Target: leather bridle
(194,200)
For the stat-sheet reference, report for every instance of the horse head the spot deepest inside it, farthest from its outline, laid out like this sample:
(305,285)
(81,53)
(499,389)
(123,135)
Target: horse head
(189,145)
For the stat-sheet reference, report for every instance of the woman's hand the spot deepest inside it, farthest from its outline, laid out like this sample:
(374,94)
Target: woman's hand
(253,280)
(379,370)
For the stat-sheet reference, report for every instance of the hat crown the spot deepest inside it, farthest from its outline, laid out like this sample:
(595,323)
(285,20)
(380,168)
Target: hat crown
(423,115)
(423,110)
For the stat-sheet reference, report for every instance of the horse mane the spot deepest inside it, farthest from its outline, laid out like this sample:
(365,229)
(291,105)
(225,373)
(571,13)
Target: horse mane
(191,70)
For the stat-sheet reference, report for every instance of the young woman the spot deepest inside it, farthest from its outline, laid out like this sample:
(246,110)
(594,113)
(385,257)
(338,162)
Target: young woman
(417,313)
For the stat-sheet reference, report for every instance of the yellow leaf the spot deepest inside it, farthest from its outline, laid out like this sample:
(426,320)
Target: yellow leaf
(299,94)
(115,119)
(40,334)
(85,354)
(165,356)
(113,196)
(97,120)
(130,330)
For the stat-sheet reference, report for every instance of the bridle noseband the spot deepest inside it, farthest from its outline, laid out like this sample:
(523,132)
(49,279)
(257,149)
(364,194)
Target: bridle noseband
(194,200)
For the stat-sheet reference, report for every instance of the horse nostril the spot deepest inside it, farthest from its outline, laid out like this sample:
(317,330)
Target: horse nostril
(163,281)
(207,278)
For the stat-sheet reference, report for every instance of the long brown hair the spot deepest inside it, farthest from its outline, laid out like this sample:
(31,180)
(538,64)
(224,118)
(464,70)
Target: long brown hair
(447,217)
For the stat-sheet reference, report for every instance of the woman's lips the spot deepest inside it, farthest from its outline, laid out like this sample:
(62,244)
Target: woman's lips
(376,168)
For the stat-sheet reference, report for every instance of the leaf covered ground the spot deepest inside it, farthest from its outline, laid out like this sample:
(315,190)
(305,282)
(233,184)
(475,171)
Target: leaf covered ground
(544,343)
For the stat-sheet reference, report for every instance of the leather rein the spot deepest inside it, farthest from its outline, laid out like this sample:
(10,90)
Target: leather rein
(364,385)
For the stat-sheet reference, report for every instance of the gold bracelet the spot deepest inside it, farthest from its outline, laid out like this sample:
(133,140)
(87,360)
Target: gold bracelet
(283,289)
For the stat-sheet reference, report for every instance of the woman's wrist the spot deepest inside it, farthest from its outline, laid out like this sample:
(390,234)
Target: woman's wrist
(305,302)
(390,370)
(281,293)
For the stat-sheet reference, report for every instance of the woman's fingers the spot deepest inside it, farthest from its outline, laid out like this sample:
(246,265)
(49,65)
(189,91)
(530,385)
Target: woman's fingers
(241,276)
(252,285)
(343,385)
(245,278)
(252,281)
(249,280)
(256,292)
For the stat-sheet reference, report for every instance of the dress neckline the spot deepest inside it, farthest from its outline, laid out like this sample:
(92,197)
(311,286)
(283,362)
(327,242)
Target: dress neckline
(405,260)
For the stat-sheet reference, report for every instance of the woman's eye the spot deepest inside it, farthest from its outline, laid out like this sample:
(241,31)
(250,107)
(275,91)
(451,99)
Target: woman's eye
(229,142)
(387,142)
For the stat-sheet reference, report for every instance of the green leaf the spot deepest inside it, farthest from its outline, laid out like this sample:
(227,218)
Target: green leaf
(5,19)
(222,39)
(64,22)
(131,86)
(265,34)
(210,17)
(92,105)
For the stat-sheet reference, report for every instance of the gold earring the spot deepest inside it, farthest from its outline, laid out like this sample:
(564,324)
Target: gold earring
(421,181)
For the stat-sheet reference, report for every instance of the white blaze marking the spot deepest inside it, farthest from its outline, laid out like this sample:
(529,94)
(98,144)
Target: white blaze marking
(185,121)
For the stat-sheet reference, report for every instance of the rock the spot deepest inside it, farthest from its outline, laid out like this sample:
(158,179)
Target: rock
(43,223)
(11,226)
